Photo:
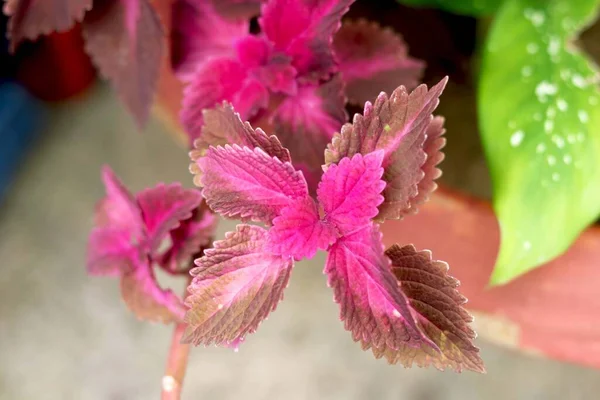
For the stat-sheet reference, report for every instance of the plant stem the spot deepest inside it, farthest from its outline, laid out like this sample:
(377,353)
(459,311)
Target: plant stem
(172,381)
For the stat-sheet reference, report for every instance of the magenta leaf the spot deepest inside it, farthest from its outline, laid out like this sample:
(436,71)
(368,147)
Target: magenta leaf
(109,252)
(350,191)
(222,125)
(434,297)
(372,306)
(218,80)
(200,33)
(397,124)
(373,59)
(298,231)
(119,209)
(305,124)
(32,18)
(303,29)
(163,208)
(146,299)
(243,183)
(234,288)
(129,61)
(189,240)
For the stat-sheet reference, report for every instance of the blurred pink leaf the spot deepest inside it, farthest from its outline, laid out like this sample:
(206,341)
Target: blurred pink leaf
(217,80)
(372,306)
(190,239)
(146,299)
(130,60)
(128,233)
(350,191)
(119,209)
(239,182)
(32,18)
(222,125)
(164,207)
(373,60)
(398,125)
(305,123)
(434,297)
(200,33)
(299,232)
(109,252)
(303,29)
(234,288)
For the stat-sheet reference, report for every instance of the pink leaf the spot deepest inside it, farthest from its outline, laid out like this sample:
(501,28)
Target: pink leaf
(249,184)
(350,191)
(164,207)
(438,307)
(306,122)
(222,125)
(119,209)
(218,80)
(32,18)
(373,59)
(146,299)
(201,33)
(303,29)
(130,62)
(372,305)
(190,239)
(398,125)
(234,288)
(109,252)
(298,231)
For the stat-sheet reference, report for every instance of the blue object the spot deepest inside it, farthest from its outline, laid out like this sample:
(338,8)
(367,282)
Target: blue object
(21,116)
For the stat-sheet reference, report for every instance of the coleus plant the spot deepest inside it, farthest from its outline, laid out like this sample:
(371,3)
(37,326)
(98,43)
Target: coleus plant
(294,76)
(400,303)
(129,238)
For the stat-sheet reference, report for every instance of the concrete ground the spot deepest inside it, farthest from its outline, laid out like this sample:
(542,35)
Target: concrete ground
(64,335)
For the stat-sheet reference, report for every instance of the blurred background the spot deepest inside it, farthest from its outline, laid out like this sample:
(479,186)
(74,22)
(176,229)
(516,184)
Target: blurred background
(64,335)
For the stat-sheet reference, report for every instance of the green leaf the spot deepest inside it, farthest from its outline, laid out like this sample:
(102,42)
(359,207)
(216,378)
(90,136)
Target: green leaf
(466,7)
(539,116)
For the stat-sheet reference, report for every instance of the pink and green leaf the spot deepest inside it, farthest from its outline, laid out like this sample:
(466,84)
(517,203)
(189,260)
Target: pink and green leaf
(437,304)
(222,126)
(304,29)
(32,18)
(349,192)
(146,299)
(163,208)
(298,231)
(236,285)
(239,182)
(397,124)
(372,306)
(201,33)
(373,59)
(129,60)
(305,123)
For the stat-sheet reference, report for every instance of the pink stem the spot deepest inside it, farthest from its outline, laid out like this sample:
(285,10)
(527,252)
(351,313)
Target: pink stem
(172,381)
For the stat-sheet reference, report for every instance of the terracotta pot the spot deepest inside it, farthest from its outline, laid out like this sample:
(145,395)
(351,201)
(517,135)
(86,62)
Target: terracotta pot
(553,311)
